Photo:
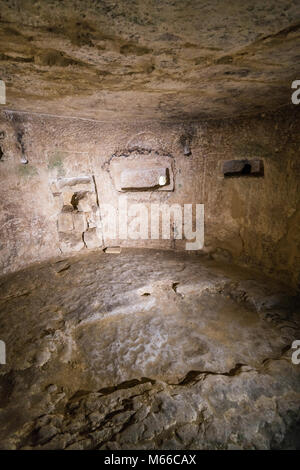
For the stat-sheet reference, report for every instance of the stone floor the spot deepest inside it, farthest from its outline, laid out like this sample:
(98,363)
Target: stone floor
(147,350)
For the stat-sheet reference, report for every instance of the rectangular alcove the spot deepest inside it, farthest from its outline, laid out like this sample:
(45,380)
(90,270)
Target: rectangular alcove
(243,168)
(147,174)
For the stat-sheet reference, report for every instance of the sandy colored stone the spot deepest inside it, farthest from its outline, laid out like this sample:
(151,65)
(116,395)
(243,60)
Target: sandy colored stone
(79,221)
(67,200)
(65,222)
(92,239)
(71,241)
(87,202)
(76,182)
(156,348)
(242,224)
(93,219)
(152,172)
(183,60)
(143,178)
(112,250)
(105,366)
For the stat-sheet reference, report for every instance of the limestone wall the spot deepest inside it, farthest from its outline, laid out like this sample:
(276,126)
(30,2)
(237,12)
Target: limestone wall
(250,220)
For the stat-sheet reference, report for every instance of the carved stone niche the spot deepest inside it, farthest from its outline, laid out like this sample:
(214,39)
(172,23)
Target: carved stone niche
(138,172)
(239,168)
(77,223)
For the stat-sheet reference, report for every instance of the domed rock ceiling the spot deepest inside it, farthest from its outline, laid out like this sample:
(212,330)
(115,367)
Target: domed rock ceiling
(149,60)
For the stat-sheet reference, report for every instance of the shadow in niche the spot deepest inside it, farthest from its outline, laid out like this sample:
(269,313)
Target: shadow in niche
(243,168)
(246,170)
(76,198)
(152,188)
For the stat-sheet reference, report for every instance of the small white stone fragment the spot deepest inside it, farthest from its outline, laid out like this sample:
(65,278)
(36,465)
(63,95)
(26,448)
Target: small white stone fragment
(52,388)
(162,180)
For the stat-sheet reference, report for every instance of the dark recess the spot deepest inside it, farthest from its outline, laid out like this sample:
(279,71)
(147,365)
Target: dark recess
(243,168)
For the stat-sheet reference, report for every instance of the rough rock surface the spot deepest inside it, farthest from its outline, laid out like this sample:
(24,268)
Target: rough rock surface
(147,349)
(248,220)
(171,59)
